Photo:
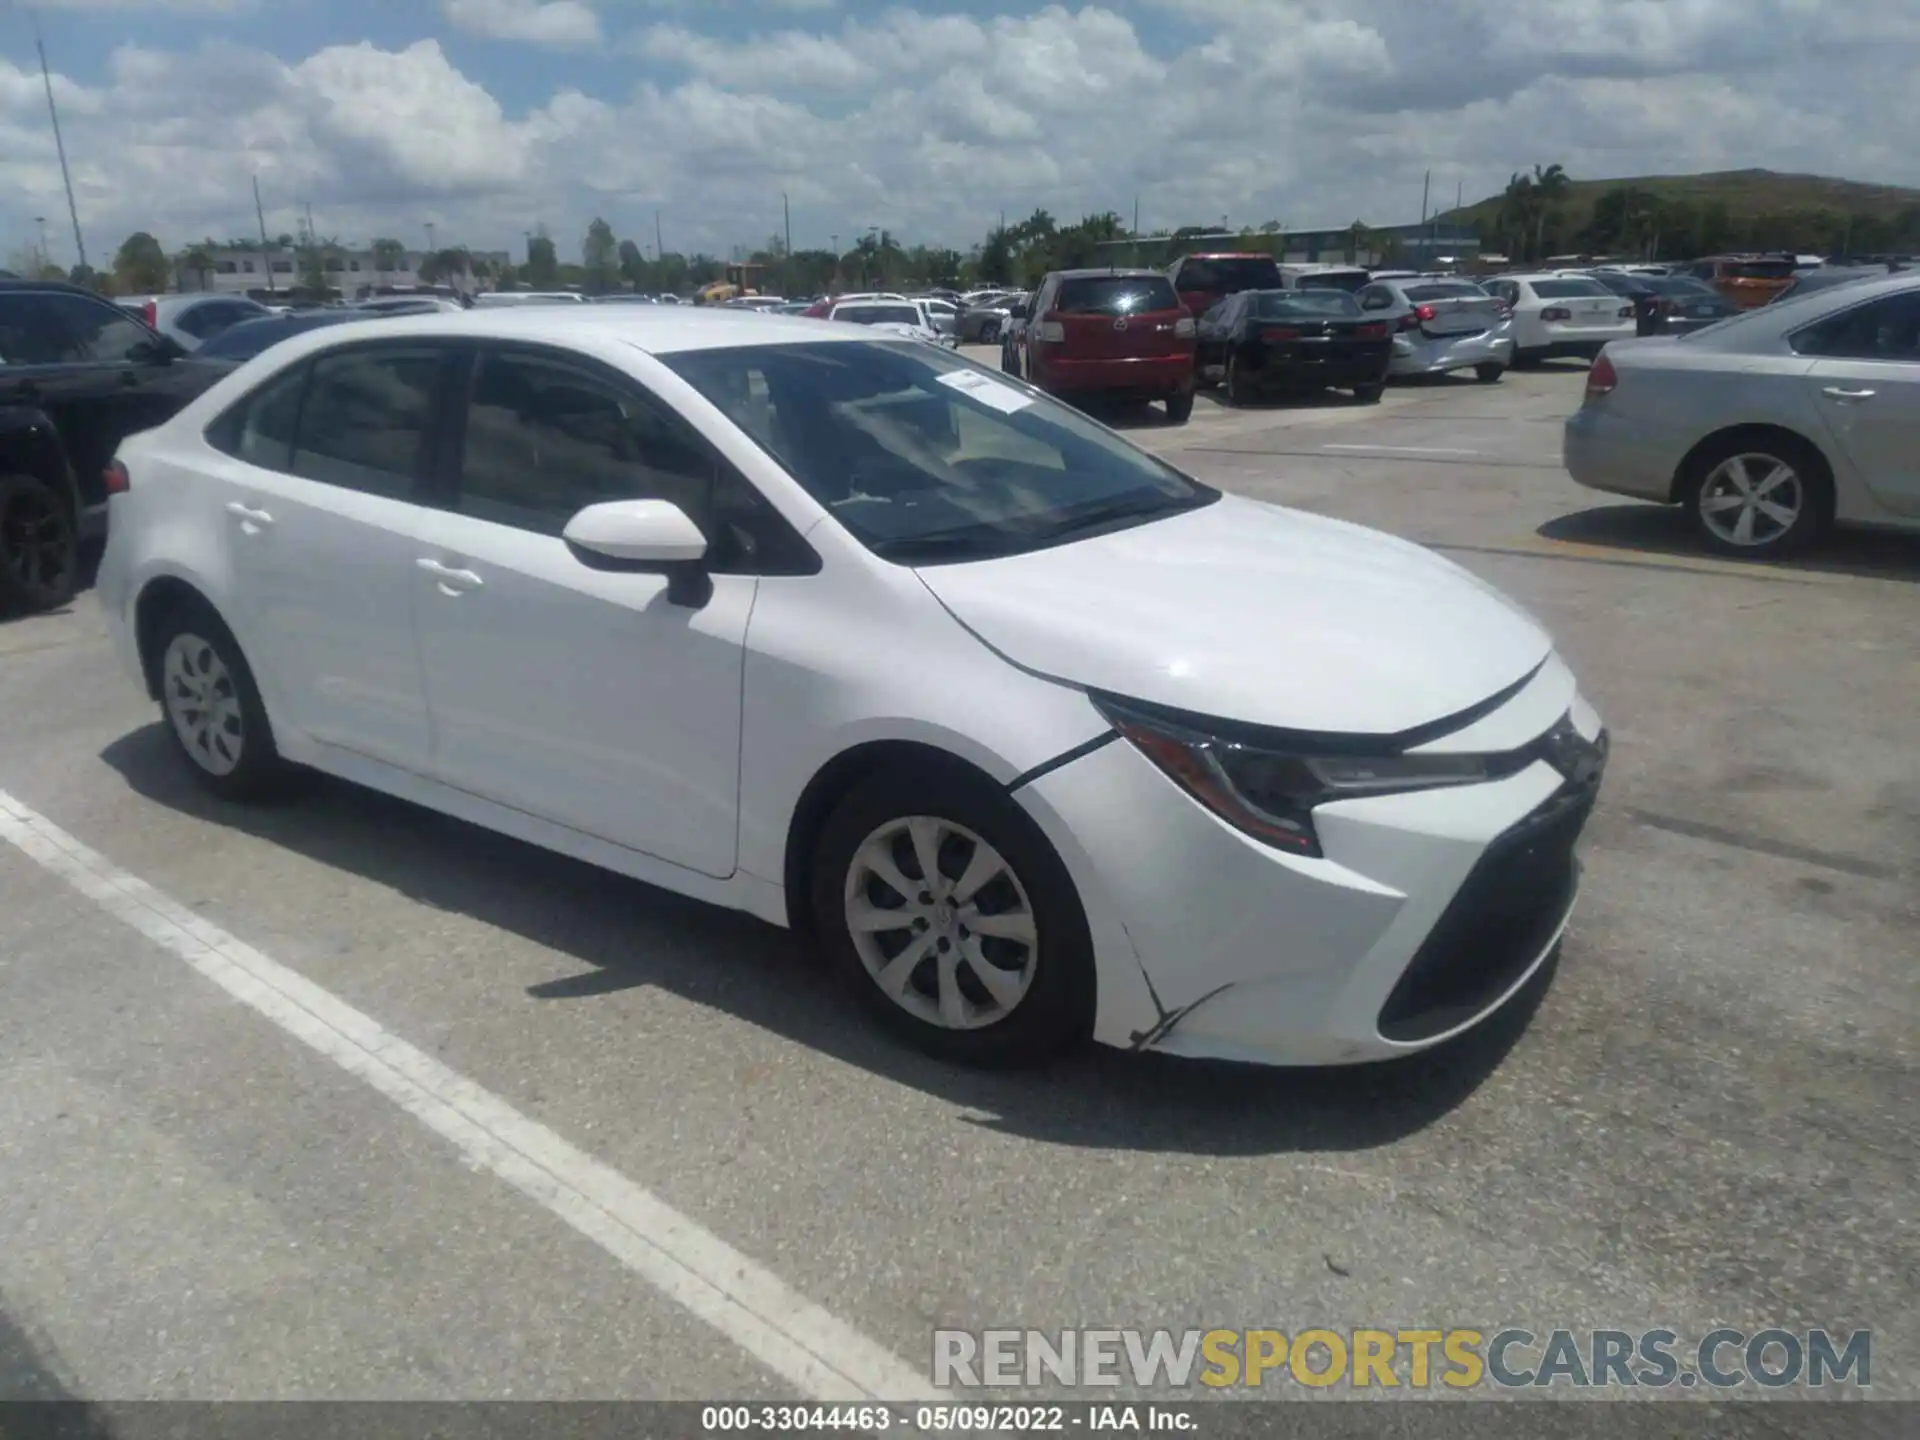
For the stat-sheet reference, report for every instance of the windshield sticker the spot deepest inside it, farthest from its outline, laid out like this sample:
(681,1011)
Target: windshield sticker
(987,390)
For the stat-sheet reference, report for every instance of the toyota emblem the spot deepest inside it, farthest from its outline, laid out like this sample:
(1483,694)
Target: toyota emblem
(1121,323)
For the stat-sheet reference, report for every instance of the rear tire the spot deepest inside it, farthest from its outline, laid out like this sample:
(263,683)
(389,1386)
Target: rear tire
(1038,993)
(990,333)
(1239,388)
(1761,499)
(212,706)
(1489,374)
(1180,406)
(39,546)
(1369,394)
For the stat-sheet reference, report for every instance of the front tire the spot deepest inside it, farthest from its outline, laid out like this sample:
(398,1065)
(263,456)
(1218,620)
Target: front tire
(1489,373)
(1758,499)
(941,904)
(212,706)
(1369,394)
(39,546)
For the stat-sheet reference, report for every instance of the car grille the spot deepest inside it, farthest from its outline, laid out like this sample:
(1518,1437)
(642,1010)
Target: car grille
(1509,906)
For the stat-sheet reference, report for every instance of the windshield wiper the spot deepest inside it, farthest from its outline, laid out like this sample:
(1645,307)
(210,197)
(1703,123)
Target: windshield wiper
(1122,511)
(947,545)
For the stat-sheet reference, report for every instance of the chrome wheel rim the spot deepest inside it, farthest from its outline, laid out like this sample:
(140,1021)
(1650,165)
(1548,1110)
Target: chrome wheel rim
(941,923)
(203,704)
(1752,500)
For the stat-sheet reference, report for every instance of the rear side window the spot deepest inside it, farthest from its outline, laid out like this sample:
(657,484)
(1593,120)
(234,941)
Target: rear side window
(1115,295)
(1886,329)
(1567,289)
(1445,290)
(50,327)
(366,420)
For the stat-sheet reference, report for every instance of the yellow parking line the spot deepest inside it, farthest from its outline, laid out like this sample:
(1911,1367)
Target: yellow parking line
(1535,547)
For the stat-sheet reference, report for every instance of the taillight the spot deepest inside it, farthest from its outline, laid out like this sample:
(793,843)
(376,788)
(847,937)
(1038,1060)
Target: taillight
(1050,332)
(1556,312)
(1425,312)
(1626,312)
(1280,332)
(150,313)
(1410,322)
(1601,379)
(1377,330)
(1184,329)
(116,479)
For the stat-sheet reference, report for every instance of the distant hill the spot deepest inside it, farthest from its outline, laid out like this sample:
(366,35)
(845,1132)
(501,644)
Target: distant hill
(1760,209)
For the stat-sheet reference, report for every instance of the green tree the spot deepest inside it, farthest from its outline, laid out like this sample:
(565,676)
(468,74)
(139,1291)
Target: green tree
(388,256)
(140,265)
(1359,243)
(542,270)
(601,258)
(1550,189)
(633,265)
(443,266)
(197,260)
(1517,208)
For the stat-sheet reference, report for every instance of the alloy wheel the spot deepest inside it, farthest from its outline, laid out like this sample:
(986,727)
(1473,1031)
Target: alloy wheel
(941,922)
(203,704)
(34,542)
(1750,501)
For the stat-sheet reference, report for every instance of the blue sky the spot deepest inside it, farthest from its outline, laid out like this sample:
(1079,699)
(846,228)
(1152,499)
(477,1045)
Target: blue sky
(489,117)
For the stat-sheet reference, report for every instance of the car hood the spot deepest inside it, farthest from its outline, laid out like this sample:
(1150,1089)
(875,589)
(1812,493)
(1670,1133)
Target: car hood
(1250,612)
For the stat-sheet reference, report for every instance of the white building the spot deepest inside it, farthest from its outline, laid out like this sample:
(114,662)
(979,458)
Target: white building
(260,270)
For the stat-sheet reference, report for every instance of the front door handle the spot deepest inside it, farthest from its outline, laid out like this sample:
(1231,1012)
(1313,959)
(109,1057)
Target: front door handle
(250,519)
(451,581)
(1835,392)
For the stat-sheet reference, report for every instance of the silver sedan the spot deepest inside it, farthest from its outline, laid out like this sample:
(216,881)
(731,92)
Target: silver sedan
(1768,427)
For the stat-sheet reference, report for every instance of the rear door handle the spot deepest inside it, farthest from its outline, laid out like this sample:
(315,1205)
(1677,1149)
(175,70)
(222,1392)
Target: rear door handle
(1837,393)
(247,515)
(452,582)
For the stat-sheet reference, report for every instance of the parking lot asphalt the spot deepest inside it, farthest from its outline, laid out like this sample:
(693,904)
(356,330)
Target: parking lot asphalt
(1705,1116)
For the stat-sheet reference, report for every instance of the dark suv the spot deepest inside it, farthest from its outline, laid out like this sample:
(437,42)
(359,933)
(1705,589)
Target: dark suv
(1119,333)
(77,376)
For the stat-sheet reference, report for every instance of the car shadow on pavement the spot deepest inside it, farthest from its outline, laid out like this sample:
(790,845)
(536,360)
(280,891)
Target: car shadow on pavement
(627,935)
(1664,530)
(35,1403)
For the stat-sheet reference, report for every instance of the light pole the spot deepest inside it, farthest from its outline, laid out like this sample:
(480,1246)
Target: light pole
(41,221)
(431,247)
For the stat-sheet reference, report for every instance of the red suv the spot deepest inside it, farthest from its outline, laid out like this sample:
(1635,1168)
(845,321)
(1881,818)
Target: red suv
(1203,281)
(1112,332)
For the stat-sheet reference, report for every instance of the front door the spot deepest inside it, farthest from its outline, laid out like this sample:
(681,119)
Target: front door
(586,697)
(319,503)
(1866,385)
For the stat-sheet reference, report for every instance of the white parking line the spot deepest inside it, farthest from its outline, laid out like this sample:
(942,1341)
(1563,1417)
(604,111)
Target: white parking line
(1405,449)
(821,1356)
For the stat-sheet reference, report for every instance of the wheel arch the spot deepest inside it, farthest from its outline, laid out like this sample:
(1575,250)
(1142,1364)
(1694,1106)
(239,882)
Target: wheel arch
(829,785)
(31,445)
(1753,432)
(160,597)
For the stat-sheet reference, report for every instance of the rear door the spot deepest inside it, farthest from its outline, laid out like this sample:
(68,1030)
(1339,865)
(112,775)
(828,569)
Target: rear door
(1866,386)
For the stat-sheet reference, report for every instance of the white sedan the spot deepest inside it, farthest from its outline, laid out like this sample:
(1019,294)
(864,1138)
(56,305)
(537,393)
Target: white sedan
(1561,315)
(1033,735)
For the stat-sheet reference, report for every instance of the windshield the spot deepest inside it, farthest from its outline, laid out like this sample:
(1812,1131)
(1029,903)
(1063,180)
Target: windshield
(1229,277)
(1566,289)
(1306,305)
(1348,280)
(924,457)
(1115,295)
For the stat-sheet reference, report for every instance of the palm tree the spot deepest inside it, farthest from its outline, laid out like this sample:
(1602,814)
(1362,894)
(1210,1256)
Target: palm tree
(1359,239)
(1550,187)
(1517,207)
(199,260)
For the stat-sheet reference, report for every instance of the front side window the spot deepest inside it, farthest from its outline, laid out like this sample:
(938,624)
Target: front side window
(545,439)
(924,457)
(50,327)
(367,420)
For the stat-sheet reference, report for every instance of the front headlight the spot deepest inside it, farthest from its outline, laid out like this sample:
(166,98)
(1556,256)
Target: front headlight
(1269,790)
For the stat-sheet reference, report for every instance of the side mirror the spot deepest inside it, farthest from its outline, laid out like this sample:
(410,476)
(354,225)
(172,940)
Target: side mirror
(648,535)
(160,350)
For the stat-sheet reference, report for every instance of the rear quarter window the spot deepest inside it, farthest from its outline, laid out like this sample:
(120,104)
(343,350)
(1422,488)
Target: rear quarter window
(1115,295)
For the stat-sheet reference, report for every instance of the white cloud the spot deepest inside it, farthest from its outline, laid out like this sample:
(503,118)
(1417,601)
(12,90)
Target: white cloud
(539,22)
(1311,112)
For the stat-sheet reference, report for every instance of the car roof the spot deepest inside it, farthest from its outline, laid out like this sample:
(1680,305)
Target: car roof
(1103,272)
(657,330)
(18,283)
(1227,255)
